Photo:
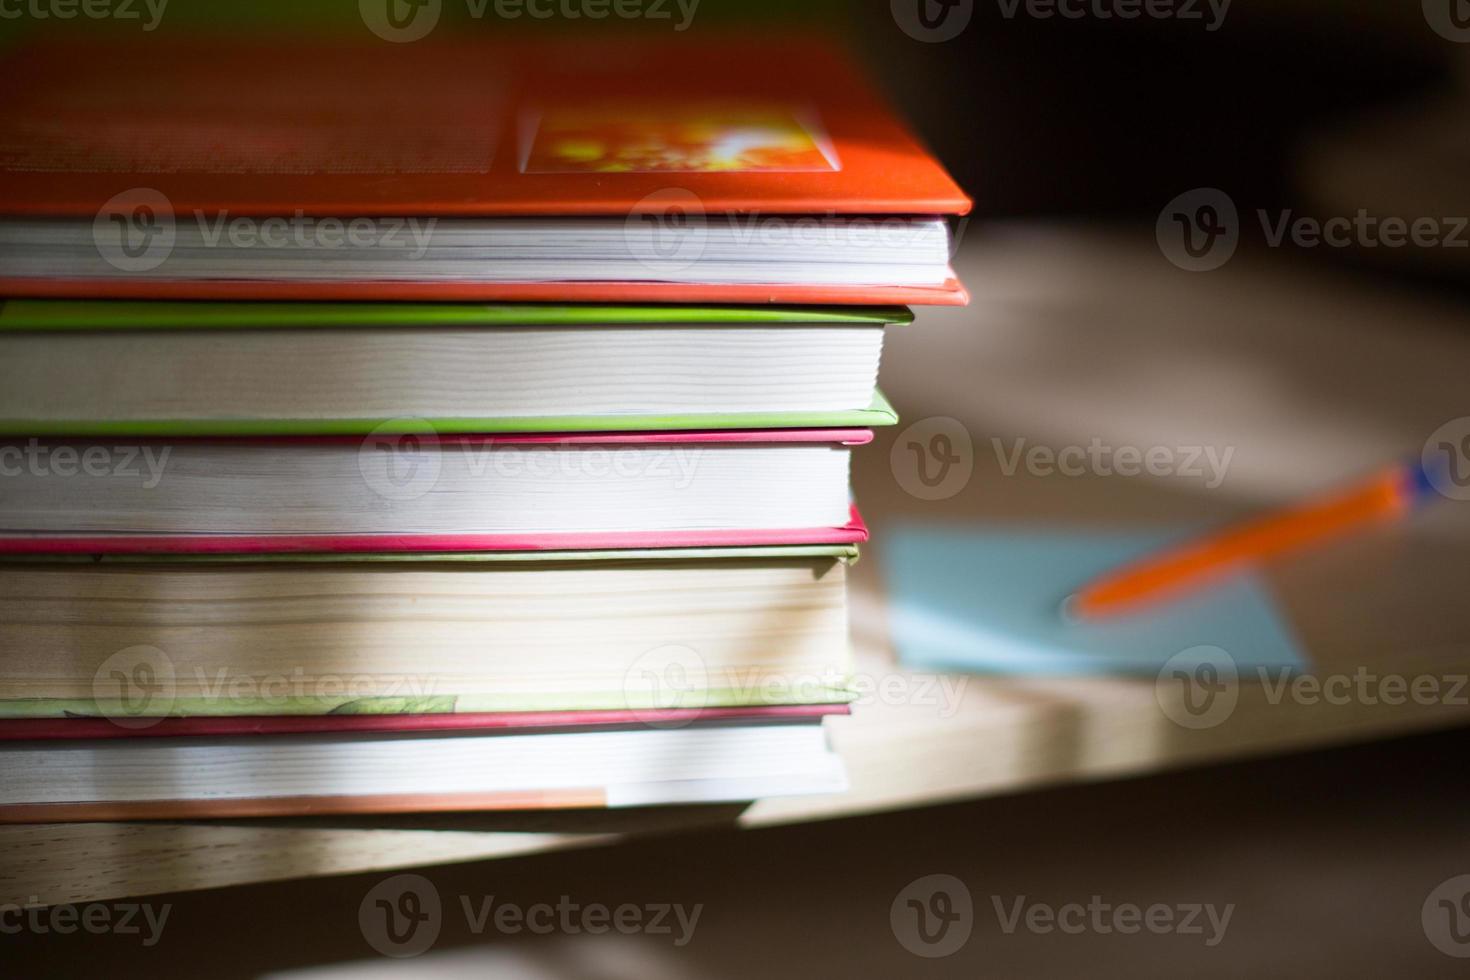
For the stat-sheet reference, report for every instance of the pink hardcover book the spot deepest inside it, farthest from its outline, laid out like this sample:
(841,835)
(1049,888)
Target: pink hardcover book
(417,492)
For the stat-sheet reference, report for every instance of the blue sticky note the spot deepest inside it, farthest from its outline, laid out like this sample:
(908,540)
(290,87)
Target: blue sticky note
(985,598)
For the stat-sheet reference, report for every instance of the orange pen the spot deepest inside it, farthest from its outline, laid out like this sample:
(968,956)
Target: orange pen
(1388,494)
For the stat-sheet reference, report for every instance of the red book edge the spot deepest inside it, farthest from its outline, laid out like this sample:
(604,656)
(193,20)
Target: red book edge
(950,294)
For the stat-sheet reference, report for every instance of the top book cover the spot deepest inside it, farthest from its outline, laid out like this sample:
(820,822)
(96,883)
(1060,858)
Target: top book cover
(456,130)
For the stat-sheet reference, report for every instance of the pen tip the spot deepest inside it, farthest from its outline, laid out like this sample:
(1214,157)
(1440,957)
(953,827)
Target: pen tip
(1426,477)
(1068,608)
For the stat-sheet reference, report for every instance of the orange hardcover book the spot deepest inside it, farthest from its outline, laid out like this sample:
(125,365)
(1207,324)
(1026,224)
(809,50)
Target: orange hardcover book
(682,170)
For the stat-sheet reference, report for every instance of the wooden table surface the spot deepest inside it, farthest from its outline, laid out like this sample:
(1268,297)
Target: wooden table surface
(1311,373)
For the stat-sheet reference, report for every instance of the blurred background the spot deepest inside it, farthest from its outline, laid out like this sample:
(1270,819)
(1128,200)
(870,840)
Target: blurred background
(1073,136)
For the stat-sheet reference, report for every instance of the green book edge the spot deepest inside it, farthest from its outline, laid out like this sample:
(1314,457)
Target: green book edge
(49,315)
(64,315)
(33,708)
(879,413)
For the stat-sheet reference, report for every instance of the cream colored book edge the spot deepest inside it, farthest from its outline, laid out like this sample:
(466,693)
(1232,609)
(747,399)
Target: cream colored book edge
(141,640)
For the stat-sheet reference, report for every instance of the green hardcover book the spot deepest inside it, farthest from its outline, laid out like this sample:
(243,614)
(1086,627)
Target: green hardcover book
(230,369)
(132,639)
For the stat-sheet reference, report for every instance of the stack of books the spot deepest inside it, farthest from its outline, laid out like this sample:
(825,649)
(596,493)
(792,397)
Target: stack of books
(438,428)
